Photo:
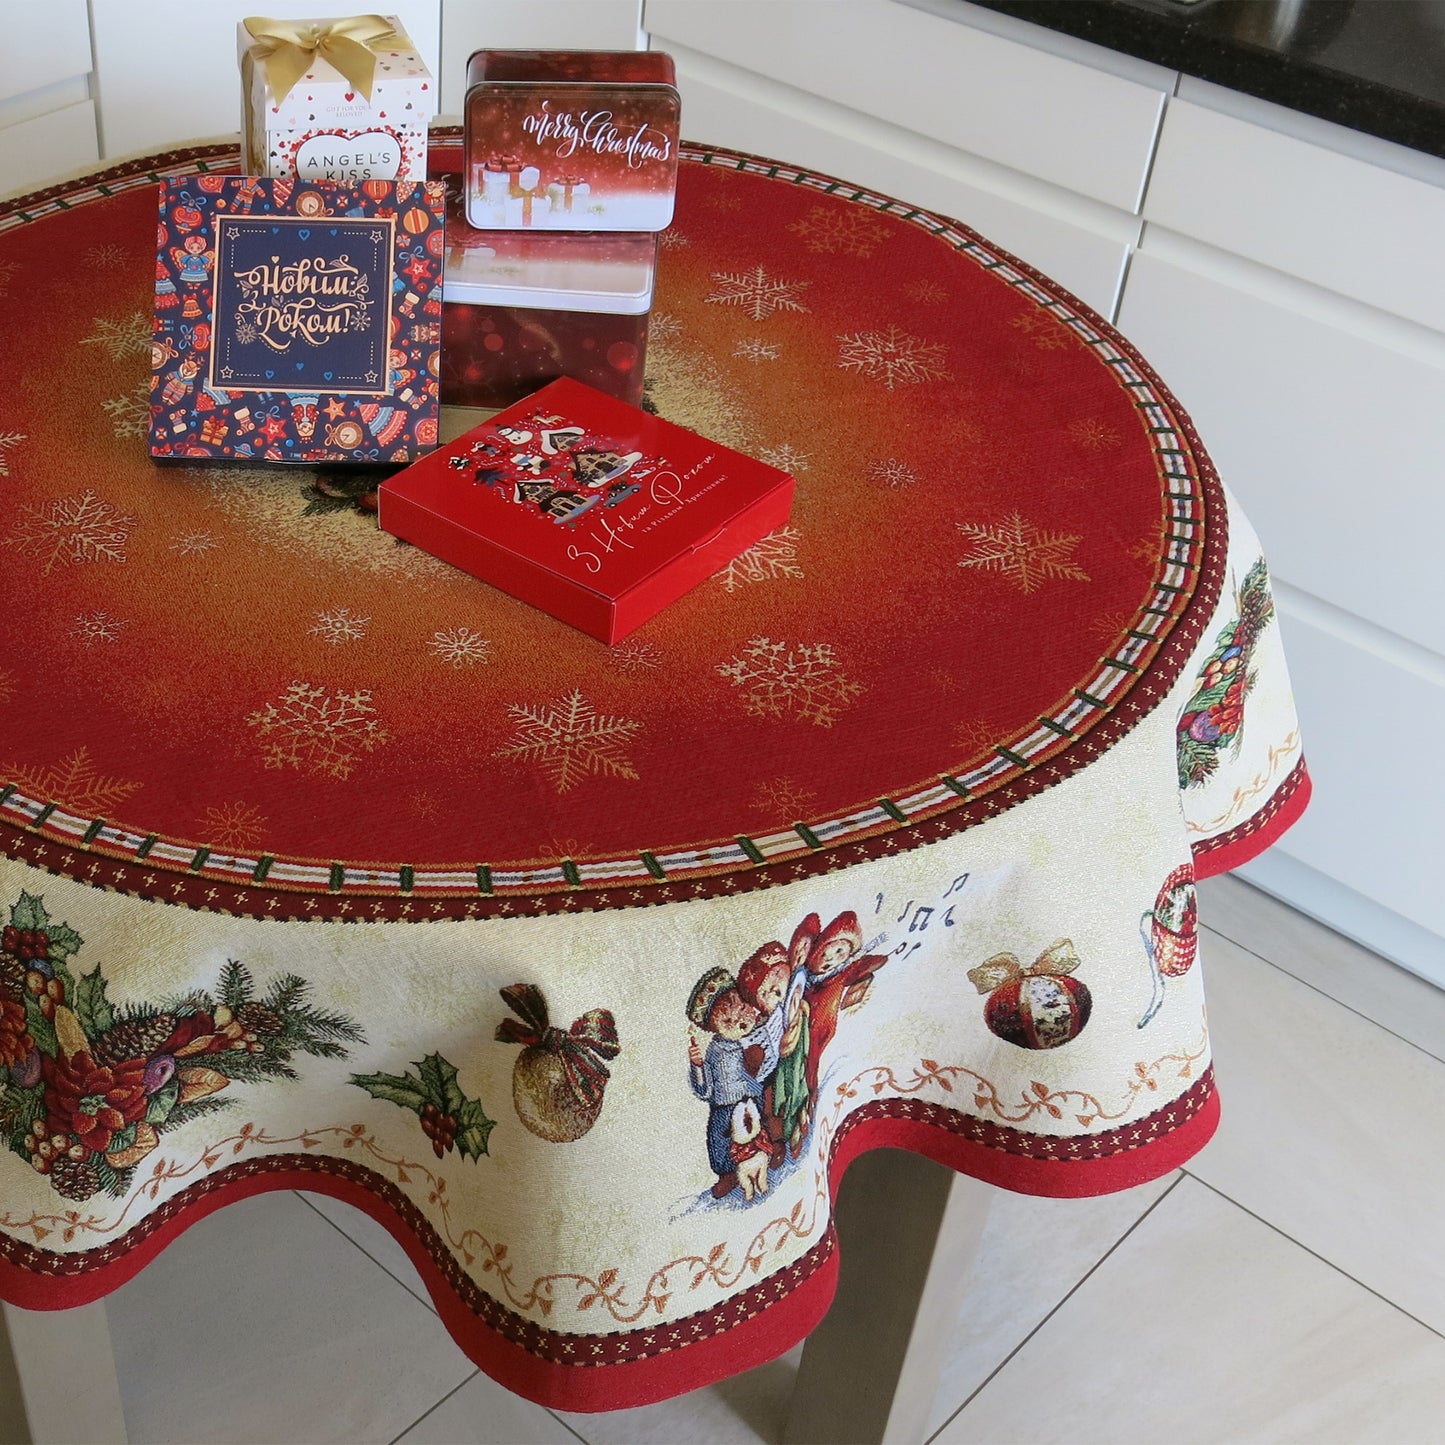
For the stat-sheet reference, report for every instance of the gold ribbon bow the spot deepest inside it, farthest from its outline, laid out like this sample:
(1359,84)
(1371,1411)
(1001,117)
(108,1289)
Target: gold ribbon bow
(289,48)
(1058,958)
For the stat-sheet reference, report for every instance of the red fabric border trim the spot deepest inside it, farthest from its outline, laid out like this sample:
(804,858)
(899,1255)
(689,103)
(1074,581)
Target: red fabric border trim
(1228,850)
(625,1368)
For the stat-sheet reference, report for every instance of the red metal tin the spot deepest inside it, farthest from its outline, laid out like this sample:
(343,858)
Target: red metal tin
(570,140)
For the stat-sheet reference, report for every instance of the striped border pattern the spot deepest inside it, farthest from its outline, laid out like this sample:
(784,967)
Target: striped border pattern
(1130,679)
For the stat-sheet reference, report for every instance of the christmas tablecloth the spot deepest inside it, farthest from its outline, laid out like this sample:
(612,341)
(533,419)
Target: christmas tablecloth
(586,970)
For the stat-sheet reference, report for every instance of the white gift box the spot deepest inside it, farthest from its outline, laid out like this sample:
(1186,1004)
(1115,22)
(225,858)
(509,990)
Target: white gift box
(324,126)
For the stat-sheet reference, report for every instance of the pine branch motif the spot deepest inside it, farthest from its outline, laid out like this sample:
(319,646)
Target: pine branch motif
(87,1087)
(893,357)
(1213,718)
(314,730)
(74,783)
(73,530)
(1022,552)
(129,336)
(756,293)
(780,679)
(569,740)
(773,557)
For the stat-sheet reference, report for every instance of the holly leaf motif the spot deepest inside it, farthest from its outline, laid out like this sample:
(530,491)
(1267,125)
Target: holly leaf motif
(162,1102)
(64,942)
(29,912)
(91,1006)
(473,1129)
(403,1089)
(439,1078)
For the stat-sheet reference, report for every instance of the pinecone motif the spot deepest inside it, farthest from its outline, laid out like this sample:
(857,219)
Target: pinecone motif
(12,973)
(133,1038)
(74,1178)
(257,1019)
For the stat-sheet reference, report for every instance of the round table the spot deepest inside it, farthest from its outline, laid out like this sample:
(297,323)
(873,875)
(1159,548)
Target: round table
(587,970)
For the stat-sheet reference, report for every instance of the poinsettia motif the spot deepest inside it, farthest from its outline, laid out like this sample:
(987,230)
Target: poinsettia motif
(87,1089)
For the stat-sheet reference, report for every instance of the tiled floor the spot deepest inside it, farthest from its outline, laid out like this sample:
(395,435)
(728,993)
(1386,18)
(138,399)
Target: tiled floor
(1289,1285)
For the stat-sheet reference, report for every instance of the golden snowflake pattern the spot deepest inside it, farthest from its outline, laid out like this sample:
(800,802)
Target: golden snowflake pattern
(837,232)
(671,240)
(74,784)
(314,730)
(1024,553)
(105,258)
(7,684)
(973,738)
(569,740)
(340,625)
(756,293)
(1149,549)
(233,825)
(194,544)
(75,529)
(127,336)
(781,679)
(893,473)
(782,798)
(1045,331)
(663,327)
(929,293)
(635,657)
(1094,435)
(757,351)
(8,440)
(786,458)
(92,627)
(775,556)
(461,647)
(1107,628)
(893,357)
(130,415)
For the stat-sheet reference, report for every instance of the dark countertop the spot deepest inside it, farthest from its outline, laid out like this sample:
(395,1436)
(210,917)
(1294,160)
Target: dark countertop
(1374,65)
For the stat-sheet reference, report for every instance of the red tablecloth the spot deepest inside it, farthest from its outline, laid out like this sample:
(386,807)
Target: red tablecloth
(314,849)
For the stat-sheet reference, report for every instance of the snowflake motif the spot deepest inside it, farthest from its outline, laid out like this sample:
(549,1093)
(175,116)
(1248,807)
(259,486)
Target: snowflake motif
(893,357)
(1108,626)
(130,415)
(930,293)
(92,627)
(233,825)
(313,730)
(1046,332)
(726,203)
(105,258)
(663,327)
(82,528)
(756,293)
(839,232)
(245,333)
(671,240)
(781,680)
(74,783)
(1094,435)
(892,473)
(1148,549)
(785,458)
(194,544)
(756,351)
(130,336)
(557,850)
(425,806)
(340,625)
(7,274)
(973,738)
(775,556)
(8,439)
(568,740)
(7,685)
(629,657)
(461,647)
(1021,551)
(782,798)
(946,680)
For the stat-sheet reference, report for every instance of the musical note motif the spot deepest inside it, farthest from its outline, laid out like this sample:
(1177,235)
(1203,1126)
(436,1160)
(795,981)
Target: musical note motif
(920,920)
(956,884)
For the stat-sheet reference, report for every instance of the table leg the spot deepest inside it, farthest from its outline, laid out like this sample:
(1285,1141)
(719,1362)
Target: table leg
(57,1378)
(909,1230)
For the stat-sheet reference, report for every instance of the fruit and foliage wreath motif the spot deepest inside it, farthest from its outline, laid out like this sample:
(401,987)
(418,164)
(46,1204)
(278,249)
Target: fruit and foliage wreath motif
(1213,719)
(88,1087)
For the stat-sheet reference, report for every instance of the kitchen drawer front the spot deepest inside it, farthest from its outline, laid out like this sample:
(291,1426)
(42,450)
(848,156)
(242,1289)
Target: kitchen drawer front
(1354,228)
(1039,114)
(1334,443)
(44,43)
(34,152)
(810,133)
(1376,819)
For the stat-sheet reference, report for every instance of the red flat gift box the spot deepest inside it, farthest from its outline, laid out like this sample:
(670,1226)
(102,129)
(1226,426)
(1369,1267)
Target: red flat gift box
(585,507)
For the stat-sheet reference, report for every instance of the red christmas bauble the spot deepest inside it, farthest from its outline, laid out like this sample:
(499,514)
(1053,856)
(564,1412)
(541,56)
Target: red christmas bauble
(1039,1010)
(377,190)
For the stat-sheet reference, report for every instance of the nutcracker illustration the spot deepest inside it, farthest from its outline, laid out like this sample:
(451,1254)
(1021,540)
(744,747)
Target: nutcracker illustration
(1038,1006)
(1171,933)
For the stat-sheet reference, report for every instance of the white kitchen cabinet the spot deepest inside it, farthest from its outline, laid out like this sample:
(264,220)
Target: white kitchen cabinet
(1331,439)
(47,121)
(167,71)
(37,150)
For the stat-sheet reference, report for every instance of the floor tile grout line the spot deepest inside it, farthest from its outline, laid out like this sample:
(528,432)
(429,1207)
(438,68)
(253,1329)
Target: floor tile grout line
(1323,993)
(1073,1290)
(1315,1254)
(576,1434)
(421,1299)
(433,1408)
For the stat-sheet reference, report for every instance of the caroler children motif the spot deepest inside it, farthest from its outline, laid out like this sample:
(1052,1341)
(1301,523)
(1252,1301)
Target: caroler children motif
(770,1025)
